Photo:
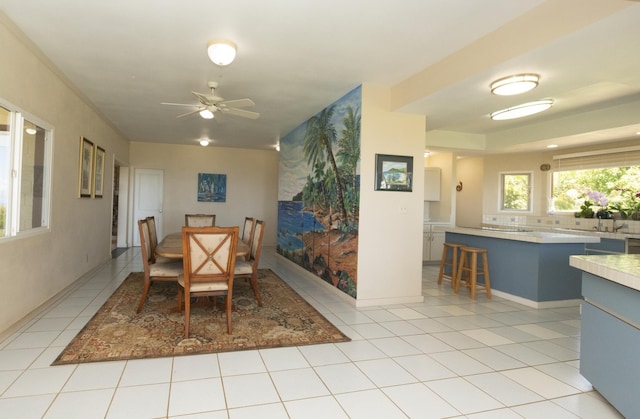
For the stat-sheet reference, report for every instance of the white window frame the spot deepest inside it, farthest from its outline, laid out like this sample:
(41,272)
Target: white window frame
(501,177)
(12,225)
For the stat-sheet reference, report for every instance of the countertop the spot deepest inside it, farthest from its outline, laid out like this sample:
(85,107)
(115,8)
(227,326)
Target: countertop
(621,269)
(524,235)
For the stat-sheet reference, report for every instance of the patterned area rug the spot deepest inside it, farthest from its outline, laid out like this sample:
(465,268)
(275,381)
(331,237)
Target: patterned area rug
(116,332)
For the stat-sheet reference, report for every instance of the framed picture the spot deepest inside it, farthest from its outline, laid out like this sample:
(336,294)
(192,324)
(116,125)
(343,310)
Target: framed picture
(85,167)
(98,179)
(394,173)
(212,187)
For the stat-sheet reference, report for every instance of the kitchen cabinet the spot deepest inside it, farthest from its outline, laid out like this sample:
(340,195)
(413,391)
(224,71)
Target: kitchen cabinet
(432,184)
(610,328)
(432,241)
(606,247)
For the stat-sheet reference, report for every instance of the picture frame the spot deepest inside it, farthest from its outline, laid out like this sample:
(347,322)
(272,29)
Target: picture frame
(212,187)
(85,168)
(98,178)
(394,173)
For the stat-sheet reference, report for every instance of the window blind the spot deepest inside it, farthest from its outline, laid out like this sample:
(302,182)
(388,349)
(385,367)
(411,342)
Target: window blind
(597,159)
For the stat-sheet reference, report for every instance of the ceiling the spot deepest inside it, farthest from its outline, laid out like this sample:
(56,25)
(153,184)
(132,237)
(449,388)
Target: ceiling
(437,57)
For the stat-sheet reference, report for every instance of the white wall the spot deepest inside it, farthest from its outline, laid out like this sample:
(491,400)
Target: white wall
(390,240)
(36,267)
(252,183)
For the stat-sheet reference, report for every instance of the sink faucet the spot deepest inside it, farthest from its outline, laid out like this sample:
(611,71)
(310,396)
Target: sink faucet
(616,228)
(599,227)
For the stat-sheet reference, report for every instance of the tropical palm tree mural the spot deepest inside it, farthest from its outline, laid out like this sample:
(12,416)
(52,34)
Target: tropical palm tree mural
(318,142)
(319,193)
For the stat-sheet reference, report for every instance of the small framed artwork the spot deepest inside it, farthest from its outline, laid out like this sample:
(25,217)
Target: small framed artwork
(212,187)
(394,173)
(98,183)
(85,171)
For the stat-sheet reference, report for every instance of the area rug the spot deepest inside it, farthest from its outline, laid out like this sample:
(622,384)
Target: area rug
(116,332)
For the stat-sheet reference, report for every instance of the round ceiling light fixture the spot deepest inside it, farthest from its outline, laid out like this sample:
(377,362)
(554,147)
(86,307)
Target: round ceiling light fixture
(221,51)
(514,85)
(204,142)
(523,110)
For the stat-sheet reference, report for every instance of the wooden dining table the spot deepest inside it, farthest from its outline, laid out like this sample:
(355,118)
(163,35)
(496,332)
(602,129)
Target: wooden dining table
(171,247)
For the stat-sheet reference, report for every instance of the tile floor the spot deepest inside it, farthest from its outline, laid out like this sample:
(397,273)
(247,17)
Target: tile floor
(446,357)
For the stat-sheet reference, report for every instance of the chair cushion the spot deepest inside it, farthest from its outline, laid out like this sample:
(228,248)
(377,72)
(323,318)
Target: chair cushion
(162,259)
(243,268)
(173,268)
(205,286)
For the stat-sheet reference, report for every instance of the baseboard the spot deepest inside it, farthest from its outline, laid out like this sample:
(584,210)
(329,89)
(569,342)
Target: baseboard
(536,304)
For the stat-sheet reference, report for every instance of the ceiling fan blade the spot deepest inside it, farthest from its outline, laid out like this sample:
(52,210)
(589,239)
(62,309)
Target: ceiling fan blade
(204,99)
(178,104)
(241,112)
(190,113)
(237,103)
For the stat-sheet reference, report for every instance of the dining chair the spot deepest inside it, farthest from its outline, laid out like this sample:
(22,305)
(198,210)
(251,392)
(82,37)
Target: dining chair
(154,271)
(249,268)
(209,257)
(247,232)
(199,220)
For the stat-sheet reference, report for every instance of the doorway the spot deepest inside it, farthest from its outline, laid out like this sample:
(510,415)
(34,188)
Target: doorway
(148,199)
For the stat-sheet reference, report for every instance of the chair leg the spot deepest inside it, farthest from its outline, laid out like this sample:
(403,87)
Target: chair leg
(487,280)
(474,274)
(187,314)
(254,286)
(229,306)
(145,291)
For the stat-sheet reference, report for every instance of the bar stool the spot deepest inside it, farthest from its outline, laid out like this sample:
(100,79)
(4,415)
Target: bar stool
(468,266)
(452,249)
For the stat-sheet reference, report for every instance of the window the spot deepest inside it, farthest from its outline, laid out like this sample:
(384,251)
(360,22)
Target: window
(25,156)
(613,173)
(515,192)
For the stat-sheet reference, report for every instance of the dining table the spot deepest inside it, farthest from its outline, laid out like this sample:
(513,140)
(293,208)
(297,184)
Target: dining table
(171,247)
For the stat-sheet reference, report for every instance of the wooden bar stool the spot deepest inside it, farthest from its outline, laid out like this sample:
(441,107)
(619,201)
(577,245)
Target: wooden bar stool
(468,266)
(450,253)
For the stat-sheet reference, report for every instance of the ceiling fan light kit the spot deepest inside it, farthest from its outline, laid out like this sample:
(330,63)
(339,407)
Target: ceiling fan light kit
(221,51)
(514,85)
(523,110)
(206,114)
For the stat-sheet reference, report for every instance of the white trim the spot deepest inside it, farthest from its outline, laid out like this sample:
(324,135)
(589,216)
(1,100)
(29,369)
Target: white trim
(597,152)
(536,304)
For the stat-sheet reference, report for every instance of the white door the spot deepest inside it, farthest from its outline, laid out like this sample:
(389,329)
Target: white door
(147,199)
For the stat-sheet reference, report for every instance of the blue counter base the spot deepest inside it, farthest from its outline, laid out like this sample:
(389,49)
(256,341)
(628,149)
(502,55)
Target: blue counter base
(538,272)
(609,342)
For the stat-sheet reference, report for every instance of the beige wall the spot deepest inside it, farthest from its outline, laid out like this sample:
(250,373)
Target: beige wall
(470,171)
(252,183)
(390,238)
(37,266)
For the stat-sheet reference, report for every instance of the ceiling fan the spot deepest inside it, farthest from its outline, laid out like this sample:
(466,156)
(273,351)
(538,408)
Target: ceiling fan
(210,104)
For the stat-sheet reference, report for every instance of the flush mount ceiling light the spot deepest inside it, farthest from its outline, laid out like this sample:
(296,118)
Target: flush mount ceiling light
(520,111)
(221,51)
(30,131)
(204,142)
(514,85)
(206,114)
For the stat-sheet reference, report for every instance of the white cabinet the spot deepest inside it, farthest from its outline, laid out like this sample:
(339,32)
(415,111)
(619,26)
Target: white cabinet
(432,184)
(432,241)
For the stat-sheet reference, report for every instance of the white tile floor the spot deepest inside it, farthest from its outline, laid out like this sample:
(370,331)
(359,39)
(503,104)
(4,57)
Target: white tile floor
(446,357)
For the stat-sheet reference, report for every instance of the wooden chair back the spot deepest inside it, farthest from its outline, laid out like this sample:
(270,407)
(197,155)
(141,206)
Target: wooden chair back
(153,237)
(247,230)
(209,257)
(199,220)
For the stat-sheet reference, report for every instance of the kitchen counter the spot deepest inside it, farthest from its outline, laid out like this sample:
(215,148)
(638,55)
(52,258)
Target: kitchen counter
(610,327)
(621,269)
(530,267)
(525,235)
